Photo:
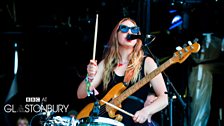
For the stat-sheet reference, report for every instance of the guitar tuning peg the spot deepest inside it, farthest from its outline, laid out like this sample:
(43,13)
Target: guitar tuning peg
(185,45)
(189,43)
(195,40)
(178,48)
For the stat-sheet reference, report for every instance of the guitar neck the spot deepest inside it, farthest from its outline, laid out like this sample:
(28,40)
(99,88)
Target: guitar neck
(142,82)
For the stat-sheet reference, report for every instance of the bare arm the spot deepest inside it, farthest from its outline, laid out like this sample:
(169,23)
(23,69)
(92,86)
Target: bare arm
(159,87)
(97,78)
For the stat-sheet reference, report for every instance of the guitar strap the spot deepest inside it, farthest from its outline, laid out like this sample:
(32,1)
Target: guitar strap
(128,75)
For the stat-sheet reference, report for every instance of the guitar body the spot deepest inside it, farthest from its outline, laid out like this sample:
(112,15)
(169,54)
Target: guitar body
(113,93)
(85,112)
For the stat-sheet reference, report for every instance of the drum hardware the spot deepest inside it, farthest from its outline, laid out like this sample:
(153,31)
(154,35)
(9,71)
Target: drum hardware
(99,121)
(73,122)
(94,118)
(61,121)
(47,116)
(96,107)
(46,119)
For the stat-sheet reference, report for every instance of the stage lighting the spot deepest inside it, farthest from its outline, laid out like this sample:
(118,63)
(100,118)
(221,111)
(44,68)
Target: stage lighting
(176,19)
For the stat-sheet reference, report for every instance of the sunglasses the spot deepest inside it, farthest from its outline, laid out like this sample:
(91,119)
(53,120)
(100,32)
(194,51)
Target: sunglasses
(124,29)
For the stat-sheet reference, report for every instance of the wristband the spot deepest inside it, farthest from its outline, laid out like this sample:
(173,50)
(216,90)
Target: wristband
(88,84)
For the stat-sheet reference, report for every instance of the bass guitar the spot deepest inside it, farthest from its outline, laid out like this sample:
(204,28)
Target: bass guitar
(119,93)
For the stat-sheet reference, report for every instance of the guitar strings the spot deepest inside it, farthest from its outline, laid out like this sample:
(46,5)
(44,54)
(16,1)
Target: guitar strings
(102,109)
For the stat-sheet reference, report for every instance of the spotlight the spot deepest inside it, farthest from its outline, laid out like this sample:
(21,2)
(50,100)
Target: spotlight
(176,19)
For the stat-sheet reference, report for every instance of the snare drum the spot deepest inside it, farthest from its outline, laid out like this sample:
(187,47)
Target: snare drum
(61,121)
(99,121)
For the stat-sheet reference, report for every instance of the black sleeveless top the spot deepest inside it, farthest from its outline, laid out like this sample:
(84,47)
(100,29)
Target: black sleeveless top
(134,102)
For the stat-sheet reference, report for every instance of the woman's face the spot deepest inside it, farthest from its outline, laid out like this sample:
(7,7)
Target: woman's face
(125,28)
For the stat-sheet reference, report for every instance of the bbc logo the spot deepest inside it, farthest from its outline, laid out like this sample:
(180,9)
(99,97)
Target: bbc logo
(32,99)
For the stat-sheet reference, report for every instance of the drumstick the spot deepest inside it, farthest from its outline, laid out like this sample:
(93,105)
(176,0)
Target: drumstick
(111,105)
(95,37)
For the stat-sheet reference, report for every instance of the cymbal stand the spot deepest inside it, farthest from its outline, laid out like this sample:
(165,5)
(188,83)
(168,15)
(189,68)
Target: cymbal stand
(96,109)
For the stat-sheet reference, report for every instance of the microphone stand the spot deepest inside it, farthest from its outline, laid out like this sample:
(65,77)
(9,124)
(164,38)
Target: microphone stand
(170,93)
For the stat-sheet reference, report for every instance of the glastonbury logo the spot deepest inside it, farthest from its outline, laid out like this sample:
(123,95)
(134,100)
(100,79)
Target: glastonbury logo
(35,105)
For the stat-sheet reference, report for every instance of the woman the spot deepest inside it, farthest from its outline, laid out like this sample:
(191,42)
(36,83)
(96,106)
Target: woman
(125,56)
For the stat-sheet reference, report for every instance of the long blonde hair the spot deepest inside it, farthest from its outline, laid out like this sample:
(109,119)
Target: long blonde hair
(111,56)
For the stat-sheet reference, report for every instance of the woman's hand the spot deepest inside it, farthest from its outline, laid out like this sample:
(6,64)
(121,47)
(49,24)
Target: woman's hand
(140,116)
(92,69)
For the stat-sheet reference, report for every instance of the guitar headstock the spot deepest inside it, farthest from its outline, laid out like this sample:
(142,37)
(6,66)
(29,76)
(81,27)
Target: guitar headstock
(182,54)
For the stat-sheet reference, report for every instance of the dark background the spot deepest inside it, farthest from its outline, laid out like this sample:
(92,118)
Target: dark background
(55,42)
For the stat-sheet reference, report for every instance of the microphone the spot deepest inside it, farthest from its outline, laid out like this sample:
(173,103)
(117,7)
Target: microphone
(142,37)
(147,39)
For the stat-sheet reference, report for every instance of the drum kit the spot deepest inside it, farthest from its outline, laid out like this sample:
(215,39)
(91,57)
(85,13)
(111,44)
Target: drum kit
(93,120)
(69,121)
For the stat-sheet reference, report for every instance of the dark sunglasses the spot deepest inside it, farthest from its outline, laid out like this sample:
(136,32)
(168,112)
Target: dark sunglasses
(124,29)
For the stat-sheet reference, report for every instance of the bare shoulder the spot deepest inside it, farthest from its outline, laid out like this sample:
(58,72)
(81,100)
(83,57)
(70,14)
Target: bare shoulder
(150,65)
(149,61)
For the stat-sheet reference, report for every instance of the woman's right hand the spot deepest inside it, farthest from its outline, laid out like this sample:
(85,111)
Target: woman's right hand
(92,69)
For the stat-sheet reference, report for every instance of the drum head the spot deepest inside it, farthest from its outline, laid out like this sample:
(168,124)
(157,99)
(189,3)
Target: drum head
(99,121)
(61,121)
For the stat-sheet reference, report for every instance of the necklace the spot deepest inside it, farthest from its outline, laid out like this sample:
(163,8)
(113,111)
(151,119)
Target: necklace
(122,63)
